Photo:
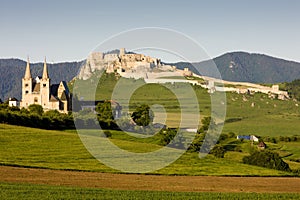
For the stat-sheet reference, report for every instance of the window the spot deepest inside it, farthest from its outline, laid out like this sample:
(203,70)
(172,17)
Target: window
(44,85)
(35,99)
(26,85)
(26,92)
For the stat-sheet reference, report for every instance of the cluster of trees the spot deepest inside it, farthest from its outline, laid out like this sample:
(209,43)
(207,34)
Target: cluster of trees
(266,159)
(274,140)
(293,89)
(35,117)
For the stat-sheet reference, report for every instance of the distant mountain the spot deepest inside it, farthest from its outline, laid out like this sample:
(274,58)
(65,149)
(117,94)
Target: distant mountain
(246,67)
(12,72)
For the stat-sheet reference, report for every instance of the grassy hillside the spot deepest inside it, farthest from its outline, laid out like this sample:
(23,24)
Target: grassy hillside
(21,146)
(252,114)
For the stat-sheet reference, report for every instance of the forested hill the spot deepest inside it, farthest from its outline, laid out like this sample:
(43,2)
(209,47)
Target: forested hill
(254,68)
(12,71)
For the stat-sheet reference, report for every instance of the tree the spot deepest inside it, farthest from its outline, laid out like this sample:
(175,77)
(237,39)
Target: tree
(218,151)
(36,109)
(142,115)
(104,113)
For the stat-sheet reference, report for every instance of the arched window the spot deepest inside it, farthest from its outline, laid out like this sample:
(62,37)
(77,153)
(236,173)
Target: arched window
(35,99)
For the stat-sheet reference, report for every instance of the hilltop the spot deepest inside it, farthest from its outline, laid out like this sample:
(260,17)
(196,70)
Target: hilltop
(251,67)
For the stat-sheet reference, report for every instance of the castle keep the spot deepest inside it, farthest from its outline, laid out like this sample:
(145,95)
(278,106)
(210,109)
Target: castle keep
(40,91)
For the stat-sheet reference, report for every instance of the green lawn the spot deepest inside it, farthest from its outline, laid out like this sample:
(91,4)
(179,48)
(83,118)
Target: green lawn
(11,191)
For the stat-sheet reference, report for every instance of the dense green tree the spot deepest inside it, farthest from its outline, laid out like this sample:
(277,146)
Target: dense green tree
(36,109)
(142,115)
(293,88)
(218,151)
(105,113)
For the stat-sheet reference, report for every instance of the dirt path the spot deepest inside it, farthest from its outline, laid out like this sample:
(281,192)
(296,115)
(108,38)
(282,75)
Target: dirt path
(149,182)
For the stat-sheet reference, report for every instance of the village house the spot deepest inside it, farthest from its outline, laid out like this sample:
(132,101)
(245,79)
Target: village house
(248,137)
(13,102)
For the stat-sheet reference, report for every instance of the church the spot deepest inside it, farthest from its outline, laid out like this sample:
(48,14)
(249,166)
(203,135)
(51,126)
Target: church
(40,91)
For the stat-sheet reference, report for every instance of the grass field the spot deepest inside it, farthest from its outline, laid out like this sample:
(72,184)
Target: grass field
(21,146)
(258,114)
(10,191)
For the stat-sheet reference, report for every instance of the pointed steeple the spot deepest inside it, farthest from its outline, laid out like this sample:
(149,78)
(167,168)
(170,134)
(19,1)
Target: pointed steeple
(27,70)
(45,71)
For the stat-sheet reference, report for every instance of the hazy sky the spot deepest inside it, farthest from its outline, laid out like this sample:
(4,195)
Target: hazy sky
(69,30)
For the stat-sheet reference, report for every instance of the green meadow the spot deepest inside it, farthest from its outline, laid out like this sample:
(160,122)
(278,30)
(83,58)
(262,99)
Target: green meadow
(30,147)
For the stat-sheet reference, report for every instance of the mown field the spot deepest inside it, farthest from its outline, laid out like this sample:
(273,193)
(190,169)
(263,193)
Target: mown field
(11,191)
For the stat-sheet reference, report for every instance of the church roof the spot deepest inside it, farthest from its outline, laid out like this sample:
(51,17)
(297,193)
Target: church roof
(65,86)
(53,98)
(12,99)
(54,89)
(36,87)
(64,96)
(45,70)
(27,70)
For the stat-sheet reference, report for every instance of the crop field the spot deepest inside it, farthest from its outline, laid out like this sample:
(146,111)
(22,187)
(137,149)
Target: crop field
(17,191)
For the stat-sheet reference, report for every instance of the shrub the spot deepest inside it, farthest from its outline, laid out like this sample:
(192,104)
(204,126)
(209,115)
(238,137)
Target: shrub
(108,134)
(218,151)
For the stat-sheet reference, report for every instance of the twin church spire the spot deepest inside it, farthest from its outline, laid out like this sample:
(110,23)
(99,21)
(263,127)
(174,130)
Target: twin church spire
(45,71)
(28,73)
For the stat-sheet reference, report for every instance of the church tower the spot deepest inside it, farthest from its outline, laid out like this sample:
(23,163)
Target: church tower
(27,83)
(45,87)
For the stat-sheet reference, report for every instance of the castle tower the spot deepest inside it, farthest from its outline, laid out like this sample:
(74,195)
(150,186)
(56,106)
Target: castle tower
(26,86)
(45,87)
(122,52)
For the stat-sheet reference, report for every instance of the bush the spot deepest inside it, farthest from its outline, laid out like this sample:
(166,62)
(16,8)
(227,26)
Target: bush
(266,159)
(108,134)
(35,118)
(273,140)
(218,151)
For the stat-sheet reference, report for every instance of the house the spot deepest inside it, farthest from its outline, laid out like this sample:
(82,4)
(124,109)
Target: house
(13,102)
(91,105)
(247,137)
(261,145)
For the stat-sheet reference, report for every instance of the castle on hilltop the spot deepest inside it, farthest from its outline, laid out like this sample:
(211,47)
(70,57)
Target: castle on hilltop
(40,91)
(122,62)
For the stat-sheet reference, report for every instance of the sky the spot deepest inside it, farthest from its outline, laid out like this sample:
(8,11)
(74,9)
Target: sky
(66,30)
